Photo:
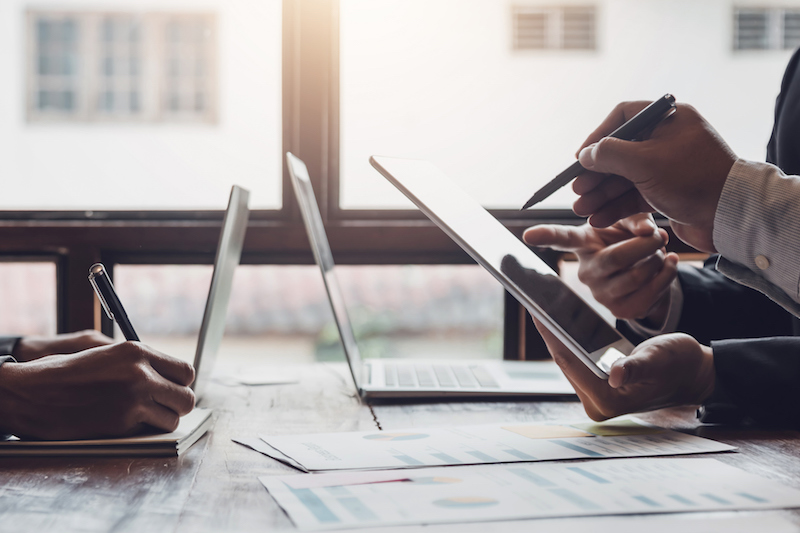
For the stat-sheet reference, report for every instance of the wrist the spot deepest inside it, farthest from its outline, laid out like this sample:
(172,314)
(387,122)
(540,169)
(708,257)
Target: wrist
(657,315)
(10,376)
(706,375)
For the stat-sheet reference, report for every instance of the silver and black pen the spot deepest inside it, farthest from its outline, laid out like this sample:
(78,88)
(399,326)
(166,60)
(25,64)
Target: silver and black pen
(104,289)
(647,118)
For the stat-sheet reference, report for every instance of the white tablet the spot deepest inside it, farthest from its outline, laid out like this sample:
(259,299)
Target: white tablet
(508,259)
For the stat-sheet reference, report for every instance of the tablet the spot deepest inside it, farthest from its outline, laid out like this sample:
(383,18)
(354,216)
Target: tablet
(534,284)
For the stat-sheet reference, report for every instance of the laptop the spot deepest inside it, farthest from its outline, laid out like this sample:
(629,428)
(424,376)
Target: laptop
(229,251)
(529,279)
(416,378)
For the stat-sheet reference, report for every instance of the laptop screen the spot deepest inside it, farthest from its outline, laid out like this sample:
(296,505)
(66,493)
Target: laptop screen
(229,251)
(322,253)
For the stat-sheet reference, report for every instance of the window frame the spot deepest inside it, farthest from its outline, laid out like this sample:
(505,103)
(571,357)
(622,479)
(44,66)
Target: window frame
(310,74)
(153,72)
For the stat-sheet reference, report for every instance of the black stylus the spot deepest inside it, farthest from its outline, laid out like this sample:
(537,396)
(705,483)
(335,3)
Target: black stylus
(645,119)
(102,285)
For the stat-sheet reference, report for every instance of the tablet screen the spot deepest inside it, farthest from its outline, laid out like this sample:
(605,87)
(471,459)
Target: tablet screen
(498,250)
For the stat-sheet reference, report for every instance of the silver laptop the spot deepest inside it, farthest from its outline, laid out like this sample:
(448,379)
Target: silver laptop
(229,251)
(421,378)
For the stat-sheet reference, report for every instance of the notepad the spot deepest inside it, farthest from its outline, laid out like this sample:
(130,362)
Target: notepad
(190,429)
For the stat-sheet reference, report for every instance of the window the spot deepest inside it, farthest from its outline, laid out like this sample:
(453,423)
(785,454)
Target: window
(766,28)
(126,110)
(556,28)
(122,66)
(55,80)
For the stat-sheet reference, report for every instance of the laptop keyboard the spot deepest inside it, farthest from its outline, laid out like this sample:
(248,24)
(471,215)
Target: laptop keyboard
(438,376)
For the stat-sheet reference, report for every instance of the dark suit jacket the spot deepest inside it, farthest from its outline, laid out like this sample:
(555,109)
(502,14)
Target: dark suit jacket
(756,342)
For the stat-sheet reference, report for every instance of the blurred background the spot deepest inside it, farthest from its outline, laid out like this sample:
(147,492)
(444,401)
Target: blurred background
(147,106)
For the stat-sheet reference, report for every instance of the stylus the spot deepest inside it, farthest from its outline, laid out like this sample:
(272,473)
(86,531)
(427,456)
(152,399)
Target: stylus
(104,289)
(647,118)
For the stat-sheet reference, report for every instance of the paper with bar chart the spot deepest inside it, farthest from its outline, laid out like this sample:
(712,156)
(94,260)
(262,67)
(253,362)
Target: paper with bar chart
(480,444)
(522,491)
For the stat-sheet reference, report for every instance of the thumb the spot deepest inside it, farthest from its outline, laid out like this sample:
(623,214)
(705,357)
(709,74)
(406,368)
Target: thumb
(639,367)
(614,156)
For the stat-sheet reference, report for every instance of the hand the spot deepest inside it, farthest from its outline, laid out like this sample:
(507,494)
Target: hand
(664,371)
(30,348)
(625,266)
(679,172)
(108,391)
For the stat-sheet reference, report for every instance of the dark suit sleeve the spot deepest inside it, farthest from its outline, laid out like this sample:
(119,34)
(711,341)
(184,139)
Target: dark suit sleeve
(7,344)
(715,308)
(759,377)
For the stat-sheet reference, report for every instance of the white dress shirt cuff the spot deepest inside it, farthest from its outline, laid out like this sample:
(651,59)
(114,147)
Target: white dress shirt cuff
(670,324)
(757,230)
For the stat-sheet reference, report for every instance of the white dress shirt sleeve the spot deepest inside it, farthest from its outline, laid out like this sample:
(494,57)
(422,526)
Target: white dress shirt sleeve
(757,231)
(673,315)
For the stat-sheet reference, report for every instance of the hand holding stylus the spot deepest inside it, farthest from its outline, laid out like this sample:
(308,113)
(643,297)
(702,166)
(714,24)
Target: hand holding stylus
(679,172)
(642,122)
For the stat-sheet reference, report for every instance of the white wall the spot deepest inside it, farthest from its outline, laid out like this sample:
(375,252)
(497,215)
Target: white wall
(130,166)
(438,79)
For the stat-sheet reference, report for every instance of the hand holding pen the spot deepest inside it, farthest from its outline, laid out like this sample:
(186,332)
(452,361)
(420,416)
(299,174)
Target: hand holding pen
(104,289)
(679,171)
(646,119)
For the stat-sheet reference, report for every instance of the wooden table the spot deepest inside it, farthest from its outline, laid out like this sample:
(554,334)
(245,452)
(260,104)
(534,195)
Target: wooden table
(214,487)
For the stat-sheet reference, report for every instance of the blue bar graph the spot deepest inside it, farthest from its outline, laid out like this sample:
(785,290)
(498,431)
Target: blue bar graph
(715,498)
(314,504)
(752,497)
(482,457)
(588,475)
(575,499)
(681,499)
(446,458)
(408,459)
(647,501)
(520,455)
(576,448)
(533,478)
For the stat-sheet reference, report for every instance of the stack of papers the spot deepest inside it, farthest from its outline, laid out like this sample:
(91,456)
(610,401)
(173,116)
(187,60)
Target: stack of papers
(190,429)
(512,492)
(480,444)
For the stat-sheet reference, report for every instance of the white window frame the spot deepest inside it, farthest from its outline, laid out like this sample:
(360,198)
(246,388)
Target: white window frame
(775,26)
(554,26)
(153,67)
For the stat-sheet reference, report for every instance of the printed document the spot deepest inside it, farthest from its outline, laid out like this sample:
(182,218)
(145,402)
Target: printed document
(521,491)
(480,444)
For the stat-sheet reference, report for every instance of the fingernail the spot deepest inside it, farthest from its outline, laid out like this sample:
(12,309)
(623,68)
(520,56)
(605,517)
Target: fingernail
(586,157)
(625,375)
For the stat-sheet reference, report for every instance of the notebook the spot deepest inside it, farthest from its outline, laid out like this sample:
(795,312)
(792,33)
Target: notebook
(417,377)
(190,429)
(193,425)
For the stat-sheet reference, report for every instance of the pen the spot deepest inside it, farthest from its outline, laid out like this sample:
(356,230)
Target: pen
(104,289)
(647,118)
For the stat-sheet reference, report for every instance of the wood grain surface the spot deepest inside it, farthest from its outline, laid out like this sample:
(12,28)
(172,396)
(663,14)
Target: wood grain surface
(214,487)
